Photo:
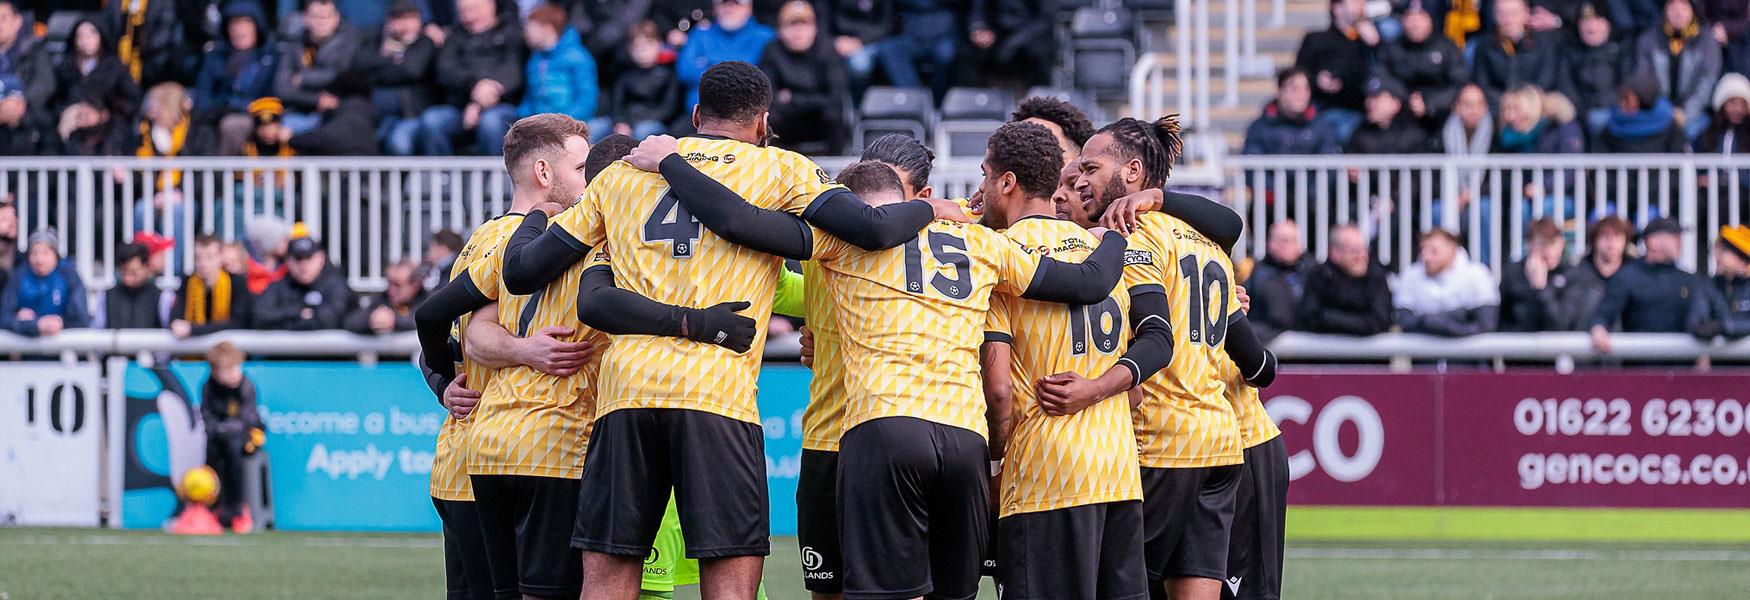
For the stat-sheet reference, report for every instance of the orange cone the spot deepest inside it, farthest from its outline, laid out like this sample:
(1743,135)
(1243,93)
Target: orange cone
(196,519)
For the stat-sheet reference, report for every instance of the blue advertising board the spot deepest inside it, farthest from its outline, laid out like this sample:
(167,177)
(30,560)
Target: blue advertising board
(350,446)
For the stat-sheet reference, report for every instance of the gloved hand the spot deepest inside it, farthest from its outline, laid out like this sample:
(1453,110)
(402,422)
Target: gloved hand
(257,437)
(720,325)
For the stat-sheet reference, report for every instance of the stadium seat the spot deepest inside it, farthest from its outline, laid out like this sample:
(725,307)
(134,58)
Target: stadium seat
(969,115)
(1101,50)
(894,110)
(1153,18)
(59,31)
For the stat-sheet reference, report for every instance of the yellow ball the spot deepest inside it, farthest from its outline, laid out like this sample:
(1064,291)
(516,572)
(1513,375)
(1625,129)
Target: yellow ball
(201,485)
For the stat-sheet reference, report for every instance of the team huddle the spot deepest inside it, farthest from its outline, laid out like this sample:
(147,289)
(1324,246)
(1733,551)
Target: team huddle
(1052,383)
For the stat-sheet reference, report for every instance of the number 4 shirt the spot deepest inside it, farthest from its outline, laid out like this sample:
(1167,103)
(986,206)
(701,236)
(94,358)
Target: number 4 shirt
(911,319)
(662,253)
(1185,419)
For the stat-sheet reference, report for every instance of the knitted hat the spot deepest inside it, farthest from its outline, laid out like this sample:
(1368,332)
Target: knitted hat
(1731,85)
(1737,239)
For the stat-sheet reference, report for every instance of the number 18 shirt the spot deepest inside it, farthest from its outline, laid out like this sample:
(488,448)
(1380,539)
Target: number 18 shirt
(662,253)
(1185,419)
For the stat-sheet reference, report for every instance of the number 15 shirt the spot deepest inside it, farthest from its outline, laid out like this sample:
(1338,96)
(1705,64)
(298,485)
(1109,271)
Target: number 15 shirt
(662,253)
(911,320)
(1185,419)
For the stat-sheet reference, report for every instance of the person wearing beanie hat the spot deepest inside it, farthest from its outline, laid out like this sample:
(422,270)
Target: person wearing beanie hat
(1594,68)
(1652,295)
(1686,62)
(1643,122)
(1729,132)
(239,69)
(46,298)
(1726,310)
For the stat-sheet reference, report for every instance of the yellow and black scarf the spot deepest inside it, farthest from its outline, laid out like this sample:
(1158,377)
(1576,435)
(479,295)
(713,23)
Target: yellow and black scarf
(1676,40)
(196,310)
(170,178)
(1462,20)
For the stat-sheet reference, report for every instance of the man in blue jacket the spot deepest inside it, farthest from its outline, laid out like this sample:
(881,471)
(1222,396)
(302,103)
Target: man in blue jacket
(561,73)
(47,297)
(733,36)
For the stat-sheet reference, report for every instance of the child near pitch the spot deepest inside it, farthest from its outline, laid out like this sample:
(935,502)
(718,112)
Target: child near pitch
(234,431)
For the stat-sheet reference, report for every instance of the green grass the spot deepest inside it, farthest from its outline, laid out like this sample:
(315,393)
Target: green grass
(59,563)
(1523,524)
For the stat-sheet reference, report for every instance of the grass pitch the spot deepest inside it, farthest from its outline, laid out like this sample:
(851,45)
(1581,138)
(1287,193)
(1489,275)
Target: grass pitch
(60,563)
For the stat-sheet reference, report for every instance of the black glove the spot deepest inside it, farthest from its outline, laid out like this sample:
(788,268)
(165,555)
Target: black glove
(721,326)
(1706,329)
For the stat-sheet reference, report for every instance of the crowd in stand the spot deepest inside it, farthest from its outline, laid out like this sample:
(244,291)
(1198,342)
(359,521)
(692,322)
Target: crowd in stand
(445,77)
(1445,293)
(1516,76)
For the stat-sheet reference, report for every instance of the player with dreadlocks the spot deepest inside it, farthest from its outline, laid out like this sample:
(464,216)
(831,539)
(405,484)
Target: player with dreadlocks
(1187,433)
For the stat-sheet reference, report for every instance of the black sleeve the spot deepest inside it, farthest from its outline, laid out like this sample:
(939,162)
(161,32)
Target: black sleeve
(728,215)
(1086,282)
(434,316)
(849,218)
(1257,364)
(1151,345)
(1219,223)
(537,254)
(615,311)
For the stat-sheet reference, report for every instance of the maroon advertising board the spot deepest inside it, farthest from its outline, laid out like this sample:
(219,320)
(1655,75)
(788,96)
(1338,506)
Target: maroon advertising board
(1632,439)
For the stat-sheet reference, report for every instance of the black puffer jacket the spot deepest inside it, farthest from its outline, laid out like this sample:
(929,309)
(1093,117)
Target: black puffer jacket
(1337,303)
(1434,67)
(466,58)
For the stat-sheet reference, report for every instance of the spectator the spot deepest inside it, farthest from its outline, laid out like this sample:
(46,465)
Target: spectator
(439,256)
(392,310)
(402,65)
(677,19)
(46,298)
(1446,293)
(1335,61)
(1643,121)
(1290,123)
(1607,240)
(561,74)
(91,74)
(1514,55)
(234,431)
(168,129)
(338,135)
(1536,123)
(1686,63)
(1018,38)
(157,249)
(308,64)
(1349,293)
(269,238)
(89,130)
(1278,282)
(1388,129)
(605,26)
(1593,69)
(1726,307)
(1065,122)
(234,73)
(808,85)
(1729,24)
(1651,295)
(1470,131)
(928,34)
(1536,291)
(210,300)
(10,256)
(268,137)
(236,260)
(133,302)
(857,28)
(1430,66)
(1729,131)
(151,42)
(645,96)
(733,36)
(20,133)
(480,73)
(311,296)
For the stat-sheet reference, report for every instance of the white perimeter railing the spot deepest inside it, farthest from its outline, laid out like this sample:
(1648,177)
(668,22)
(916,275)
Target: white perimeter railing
(371,211)
(1562,349)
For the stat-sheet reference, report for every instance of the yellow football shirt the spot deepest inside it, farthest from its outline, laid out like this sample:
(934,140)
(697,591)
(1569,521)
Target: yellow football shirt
(1256,426)
(662,253)
(1185,419)
(1089,457)
(529,422)
(449,462)
(911,320)
(823,420)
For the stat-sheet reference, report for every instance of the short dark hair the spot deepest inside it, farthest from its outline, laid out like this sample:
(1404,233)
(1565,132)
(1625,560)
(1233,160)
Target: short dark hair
(1156,144)
(1608,224)
(131,252)
(1072,120)
(1542,229)
(448,239)
(1438,233)
(1030,152)
(1284,75)
(205,238)
(536,133)
(605,152)
(734,91)
(871,177)
(308,3)
(905,152)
